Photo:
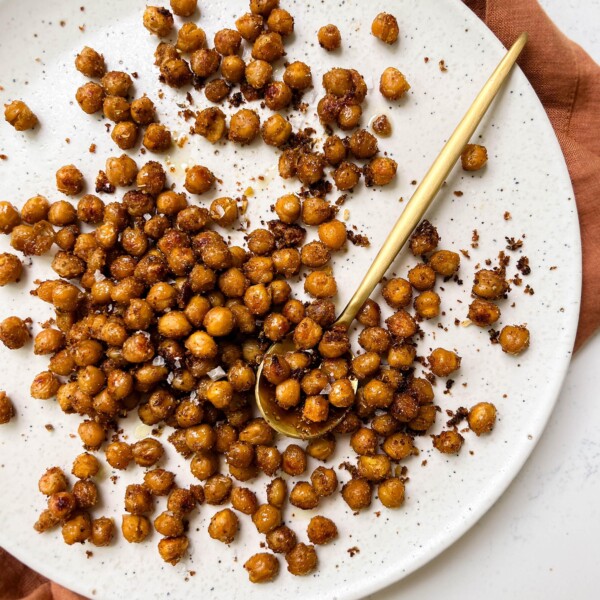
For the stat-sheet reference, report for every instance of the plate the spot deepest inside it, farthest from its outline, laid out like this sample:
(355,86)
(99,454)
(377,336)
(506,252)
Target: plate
(526,176)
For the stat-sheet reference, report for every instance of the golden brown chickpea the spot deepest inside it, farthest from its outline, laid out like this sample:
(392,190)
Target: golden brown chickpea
(385,27)
(276,369)
(489,284)
(69,180)
(329,37)
(86,493)
(363,144)
(320,284)
(425,418)
(52,482)
(482,417)
(443,362)
(116,109)
(381,126)
(182,501)
(335,150)
(278,95)
(276,327)
(397,292)
(374,339)
(121,171)
(427,305)
(307,334)
(324,481)
(342,393)
(393,84)
(198,180)
(62,213)
(20,116)
(298,76)
(217,90)
(233,69)
(310,168)
(90,97)
(224,526)
(364,441)
(315,409)
(184,8)
(117,83)
(294,460)
(263,7)
(77,529)
(346,176)
(374,468)
(304,496)
(250,26)
(514,339)
(217,489)
(293,310)
(366,365)
(357,494)
(205,62)
(224,212)
(244,500)
(158,20)
(138,348)
(445,262)
(118,455)
(135,528)
(157,138)
(14,333)
(369,314)
(90,209)
(147,452)
(321,530)
(244,126)
(266,518)
(48,341)
(473,157)
(349,116)
(142,111)
(190,38)
(90,63)
(125,134)
(422,277)
(301,560)
(483,312)
(9,217)
(321,448)
(210,123)
(280,21)
(103,530)
(276,130)
(85,466)
(262,567)
(287,394)
(227,42)
(35,209)
(258,73)
(448,442)
(380,171)
(62,504)
(268,460)
(172,549)
(44,386)
(391,492)
(281,540)
(338,81)
(401,325)
(268,47)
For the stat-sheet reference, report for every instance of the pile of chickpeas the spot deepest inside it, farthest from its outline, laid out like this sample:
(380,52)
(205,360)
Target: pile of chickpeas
(155,312)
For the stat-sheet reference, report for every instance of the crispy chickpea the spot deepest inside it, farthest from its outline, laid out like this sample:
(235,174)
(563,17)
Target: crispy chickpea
(121,171)
(342,393)
(258,73)
(294,460)
(227,42)
(268,47)
(276,327)
(244,126)
(443,362)
(393,84)
(349,116)
(266,518)
(90,63)
(135,528)
(35,209)
(424,239)
(363,144)
(422,277)
(205,62)
(320,284)
(244,500)
(514,339)
(287,394)
(62,504)
(117,83)
(427,304)
(85,466)
(385,27)
(375,467)
(157,138)
(381,126)
(335,150)
(380,171)
(489,284)
(103,531)
(9,217)
(69,180)
(281,540)
(14,333)
(268,460)
(44,386)
(370,314)
(48,341)
(172,549)
(52,481)
(118,455)
(304,496)
(374,339)
(425,418)
(90,97)
(147,452)
(321,530)
(346,176)
(321,448)
(276,369)
(223,211)
(391,492)
(298,76)
(210,123)
(276,130)
(182,501)
(278,95)
(324,481)
(444,262)
(473,157)
(315,409)
(262,567)
(77,530)
(86,493)
(116,109)
(184,8)
(217,489)
(233,68)
(217,90)
(401,325)
(329,37)
(198,180)
(142,111)
(263,7)
(483,312)
(482,417)
(20,116)
(307,334)
(448,442)
(158,20)
(250,26)
(280,21)
(364,441)
(190,38)
(125,134)
(224,526)
(301,560)
(310,168)
(357,494)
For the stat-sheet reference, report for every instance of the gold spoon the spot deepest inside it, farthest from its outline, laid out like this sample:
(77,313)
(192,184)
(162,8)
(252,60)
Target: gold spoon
(291,423)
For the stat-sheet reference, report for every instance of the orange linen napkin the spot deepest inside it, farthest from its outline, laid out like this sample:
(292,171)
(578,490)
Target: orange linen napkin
(567,81)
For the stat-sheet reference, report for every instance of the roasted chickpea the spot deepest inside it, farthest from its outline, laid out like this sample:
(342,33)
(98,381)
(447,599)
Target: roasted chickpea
(448,442)
(422,277)
(482,417)
(217,90)
(489,284)
(69,180)
(369,314)
(443,362)
(364,441)
(366,365)
(14,333)
(142,111)
(210,123)
(262,567)
(276,130)
(244,500)
(90,63)
(357,494)
(86,493)
(391,492)
(117,83)
(182,501)
(118,455)
(335,150)
(35,209)
(514,339)
(184,8)
(473,157)
(324,481)
(363,144)
(116,109)
(268,47)
(401,325)
(172,549)
(250,26)
(304,496)
(157,138)
(266,518)
(158,20)
(227,42)
(217,489)
(321,530)
(125,134)
(103,530)
(483,312)
(52,481)
(20,116)
(224,526)
(320,284)
(90,97)
(244,126)
(287,394)
(190,38)
(380,171)
(294,460)
(44,386)
(425,418)
(278,95)
(346,176)
(349,116)
(77,529)
(329,37)
(147,452)
(393,84)
(135,528)
(298,76)
(427,305)
(9,217)
(385,27)
(233,68)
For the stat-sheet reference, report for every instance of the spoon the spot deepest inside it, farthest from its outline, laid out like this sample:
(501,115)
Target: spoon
(291,423)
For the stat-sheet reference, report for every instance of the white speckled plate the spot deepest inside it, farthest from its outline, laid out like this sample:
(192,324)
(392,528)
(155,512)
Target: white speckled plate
(526,176)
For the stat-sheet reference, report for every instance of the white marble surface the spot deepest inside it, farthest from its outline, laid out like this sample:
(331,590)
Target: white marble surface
(542,538)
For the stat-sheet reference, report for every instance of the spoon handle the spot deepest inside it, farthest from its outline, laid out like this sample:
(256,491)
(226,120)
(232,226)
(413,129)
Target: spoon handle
(431,183)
